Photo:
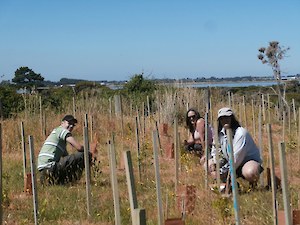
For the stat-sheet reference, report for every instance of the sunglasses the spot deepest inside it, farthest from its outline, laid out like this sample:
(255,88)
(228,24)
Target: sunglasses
(192,117)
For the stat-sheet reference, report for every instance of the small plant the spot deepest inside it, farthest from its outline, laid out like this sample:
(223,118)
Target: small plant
(224,208)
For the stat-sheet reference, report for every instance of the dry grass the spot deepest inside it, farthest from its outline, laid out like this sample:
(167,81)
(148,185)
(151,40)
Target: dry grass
(67,204)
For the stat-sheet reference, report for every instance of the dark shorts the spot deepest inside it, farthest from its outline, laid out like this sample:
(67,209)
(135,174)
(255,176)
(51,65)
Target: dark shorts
(195,148)
(68,169)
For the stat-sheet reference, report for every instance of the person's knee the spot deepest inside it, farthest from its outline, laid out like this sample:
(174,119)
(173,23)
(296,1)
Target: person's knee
(251,171)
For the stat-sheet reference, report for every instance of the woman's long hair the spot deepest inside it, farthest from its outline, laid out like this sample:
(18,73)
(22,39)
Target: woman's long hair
(233,125)
(188,121)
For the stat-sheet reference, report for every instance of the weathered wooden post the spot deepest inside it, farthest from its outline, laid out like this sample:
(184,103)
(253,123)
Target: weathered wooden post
(253,118)
(74,106)
(114,182)
(299,138)
(294,113)
(24,156)
(157,178)
(233,175)
(229,98)
(176,153)
(269,109)
(138,216)
(138,146)
(118,111)
(41,114)
(263,107)
(284,184)
(206,151)
(272,172)
(260,143)
(33,178)
(244,111)
(87,167)
(1,209)
(158,137)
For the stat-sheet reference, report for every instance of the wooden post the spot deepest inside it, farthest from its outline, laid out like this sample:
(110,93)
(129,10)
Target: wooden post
(114,183)
(261,177)
(206,151)
(253,118)
(299,138)
(110,108)
(74,106)
(33,178)
(263,107)
(232,101)
(87,167)
(284,184)
(233,175)
(294,113)
(158,137)
(148,106)
(157,178)
(269,109)
(138,146)
(41,114)
(272,170)
(244,112)
(176,153)
(229,98)
(44,126)
(289,120)
(144,120)
(138,215)
(1,209)
(24,155)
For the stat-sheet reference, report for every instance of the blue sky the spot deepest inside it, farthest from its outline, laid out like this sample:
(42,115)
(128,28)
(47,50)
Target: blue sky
(113,40)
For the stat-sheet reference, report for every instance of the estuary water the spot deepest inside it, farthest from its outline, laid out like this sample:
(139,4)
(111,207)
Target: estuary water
(230,84)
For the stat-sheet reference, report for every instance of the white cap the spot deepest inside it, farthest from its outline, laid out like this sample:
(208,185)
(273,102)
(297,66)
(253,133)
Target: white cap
(225,112)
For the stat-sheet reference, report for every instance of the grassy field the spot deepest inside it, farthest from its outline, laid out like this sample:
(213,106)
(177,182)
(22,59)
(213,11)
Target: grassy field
(67,204)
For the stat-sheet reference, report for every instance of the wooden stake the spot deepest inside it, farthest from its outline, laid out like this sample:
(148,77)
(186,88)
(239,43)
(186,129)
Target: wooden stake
(206,151)
(138,215)
(114,182)
(272,170)
(1,206)
(33,180)
(284,183)
(138,146)
(176,153)
(87,168)
(24,155)
(74,106)
(253,118)
(157,178)
(261,177)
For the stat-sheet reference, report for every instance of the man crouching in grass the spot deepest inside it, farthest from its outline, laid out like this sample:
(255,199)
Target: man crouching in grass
(54,162)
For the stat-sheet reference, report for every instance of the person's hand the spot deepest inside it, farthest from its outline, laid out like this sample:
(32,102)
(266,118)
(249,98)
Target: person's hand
(202,160)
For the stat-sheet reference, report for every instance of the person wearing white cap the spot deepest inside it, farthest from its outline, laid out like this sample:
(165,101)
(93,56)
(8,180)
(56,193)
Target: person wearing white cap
(247,157)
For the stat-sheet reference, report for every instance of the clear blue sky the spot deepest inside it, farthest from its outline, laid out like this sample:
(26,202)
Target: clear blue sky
(113,40)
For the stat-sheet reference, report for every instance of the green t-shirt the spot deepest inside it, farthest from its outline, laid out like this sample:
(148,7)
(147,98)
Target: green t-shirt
(53,148)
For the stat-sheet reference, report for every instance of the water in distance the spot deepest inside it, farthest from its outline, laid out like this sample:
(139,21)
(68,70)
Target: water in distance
(230,84)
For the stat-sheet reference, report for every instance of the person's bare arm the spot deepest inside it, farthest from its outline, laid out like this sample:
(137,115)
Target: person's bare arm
(74,143)
(200,127)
